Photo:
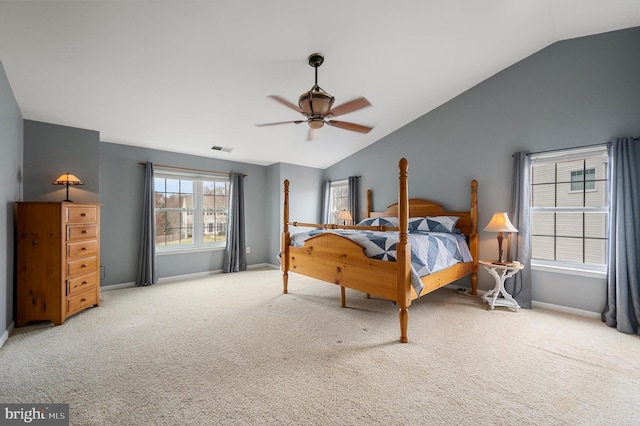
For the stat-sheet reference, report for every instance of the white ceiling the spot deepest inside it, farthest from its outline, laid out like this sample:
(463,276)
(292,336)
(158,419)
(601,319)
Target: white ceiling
(182,76)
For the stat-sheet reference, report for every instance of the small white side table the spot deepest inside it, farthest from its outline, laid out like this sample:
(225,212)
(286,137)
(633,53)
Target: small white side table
(500,273)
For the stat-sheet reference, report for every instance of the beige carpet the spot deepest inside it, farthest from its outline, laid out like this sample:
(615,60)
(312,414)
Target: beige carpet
(232,349)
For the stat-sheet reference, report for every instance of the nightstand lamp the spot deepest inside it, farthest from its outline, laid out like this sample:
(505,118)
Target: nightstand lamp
(344,216)
(500,223)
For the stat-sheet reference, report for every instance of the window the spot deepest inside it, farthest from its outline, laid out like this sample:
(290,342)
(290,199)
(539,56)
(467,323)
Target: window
(583,179)
(569,207)
(338,199)
(191,210)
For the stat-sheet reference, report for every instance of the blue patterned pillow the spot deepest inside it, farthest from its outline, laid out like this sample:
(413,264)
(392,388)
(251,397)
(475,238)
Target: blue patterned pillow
(434,224)
(379,221)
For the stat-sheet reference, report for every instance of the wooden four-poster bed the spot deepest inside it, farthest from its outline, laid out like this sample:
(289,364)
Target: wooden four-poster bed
(336,259)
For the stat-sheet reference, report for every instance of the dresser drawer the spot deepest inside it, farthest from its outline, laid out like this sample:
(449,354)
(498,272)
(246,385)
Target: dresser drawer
(82,214)
(81,301)
(82,249)
(81,232)
(82,266)
(81,283)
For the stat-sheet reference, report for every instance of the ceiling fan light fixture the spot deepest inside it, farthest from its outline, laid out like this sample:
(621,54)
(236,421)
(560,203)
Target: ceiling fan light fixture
(315,123)
(315,102)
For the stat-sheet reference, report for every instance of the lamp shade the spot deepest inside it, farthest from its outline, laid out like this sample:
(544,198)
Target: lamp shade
(344,215)
(67,179)
(500,223)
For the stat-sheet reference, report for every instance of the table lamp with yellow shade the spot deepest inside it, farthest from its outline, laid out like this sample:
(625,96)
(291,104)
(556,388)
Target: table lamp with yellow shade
(344,216)
(67,179)
(500,223)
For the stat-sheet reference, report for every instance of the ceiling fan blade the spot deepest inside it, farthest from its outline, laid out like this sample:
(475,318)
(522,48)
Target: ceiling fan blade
(348,107)
(313,134)
(286,103)
(349,126)
(280,122)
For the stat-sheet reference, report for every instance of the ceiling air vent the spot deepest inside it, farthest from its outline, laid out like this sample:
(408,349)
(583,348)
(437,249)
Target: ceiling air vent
(221,148)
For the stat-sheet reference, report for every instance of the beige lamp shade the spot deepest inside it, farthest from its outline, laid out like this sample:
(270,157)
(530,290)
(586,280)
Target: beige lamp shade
(344,215)
(500,223)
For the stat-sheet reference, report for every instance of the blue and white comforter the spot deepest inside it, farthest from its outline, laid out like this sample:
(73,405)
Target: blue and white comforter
(430,251)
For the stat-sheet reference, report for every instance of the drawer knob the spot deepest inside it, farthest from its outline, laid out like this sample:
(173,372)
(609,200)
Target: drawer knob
(84,282)
(84,265)
(83,249)
(84,231)
(83,300)
(83,214)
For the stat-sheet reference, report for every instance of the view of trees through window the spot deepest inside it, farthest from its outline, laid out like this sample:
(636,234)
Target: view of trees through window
(190,211)
(338,199)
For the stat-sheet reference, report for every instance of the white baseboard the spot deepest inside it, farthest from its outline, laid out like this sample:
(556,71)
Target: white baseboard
(117,286)
(185,277)
(6,334)
(566,309)
(550,306)
(263,265)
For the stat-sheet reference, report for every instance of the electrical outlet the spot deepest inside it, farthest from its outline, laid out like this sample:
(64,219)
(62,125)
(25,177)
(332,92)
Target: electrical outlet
(248,249)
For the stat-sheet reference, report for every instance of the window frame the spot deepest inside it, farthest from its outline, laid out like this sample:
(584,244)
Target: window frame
(196,212)
(584,154)
(333,185)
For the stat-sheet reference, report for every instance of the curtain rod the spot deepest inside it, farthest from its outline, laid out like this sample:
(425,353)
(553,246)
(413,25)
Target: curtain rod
(566,149)
(347,178)
(190,170)
(573,147)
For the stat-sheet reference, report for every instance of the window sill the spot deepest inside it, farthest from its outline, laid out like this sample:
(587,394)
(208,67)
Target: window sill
(188,250)
(570,269)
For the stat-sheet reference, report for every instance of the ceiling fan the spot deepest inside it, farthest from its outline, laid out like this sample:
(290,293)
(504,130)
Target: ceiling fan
(316,106)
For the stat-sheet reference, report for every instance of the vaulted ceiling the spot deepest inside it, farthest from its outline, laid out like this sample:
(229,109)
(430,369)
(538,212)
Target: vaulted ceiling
(183,76)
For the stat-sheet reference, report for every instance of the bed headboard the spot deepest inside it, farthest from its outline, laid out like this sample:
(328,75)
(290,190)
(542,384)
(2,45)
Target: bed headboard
(468,222)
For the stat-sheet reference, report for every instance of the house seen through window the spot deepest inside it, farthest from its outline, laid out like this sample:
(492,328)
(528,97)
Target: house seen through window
(569,207)
(190,210)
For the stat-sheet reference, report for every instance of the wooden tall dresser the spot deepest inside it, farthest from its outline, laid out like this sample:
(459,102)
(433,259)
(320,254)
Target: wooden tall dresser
(58,260)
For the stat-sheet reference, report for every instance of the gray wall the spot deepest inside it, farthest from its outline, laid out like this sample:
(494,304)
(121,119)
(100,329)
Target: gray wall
(273,215)
(53,150)
(121,187)
(305,200)
(11,134)
(576,92)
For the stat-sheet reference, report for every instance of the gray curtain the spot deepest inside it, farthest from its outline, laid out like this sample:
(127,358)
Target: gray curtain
(622,308)
(354,198)
(235,258)
(326,194)
(519,286)
(147,271)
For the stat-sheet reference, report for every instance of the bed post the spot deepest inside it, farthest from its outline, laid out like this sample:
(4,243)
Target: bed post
(473,237)
(284,249)
(403,272)
(369,204)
